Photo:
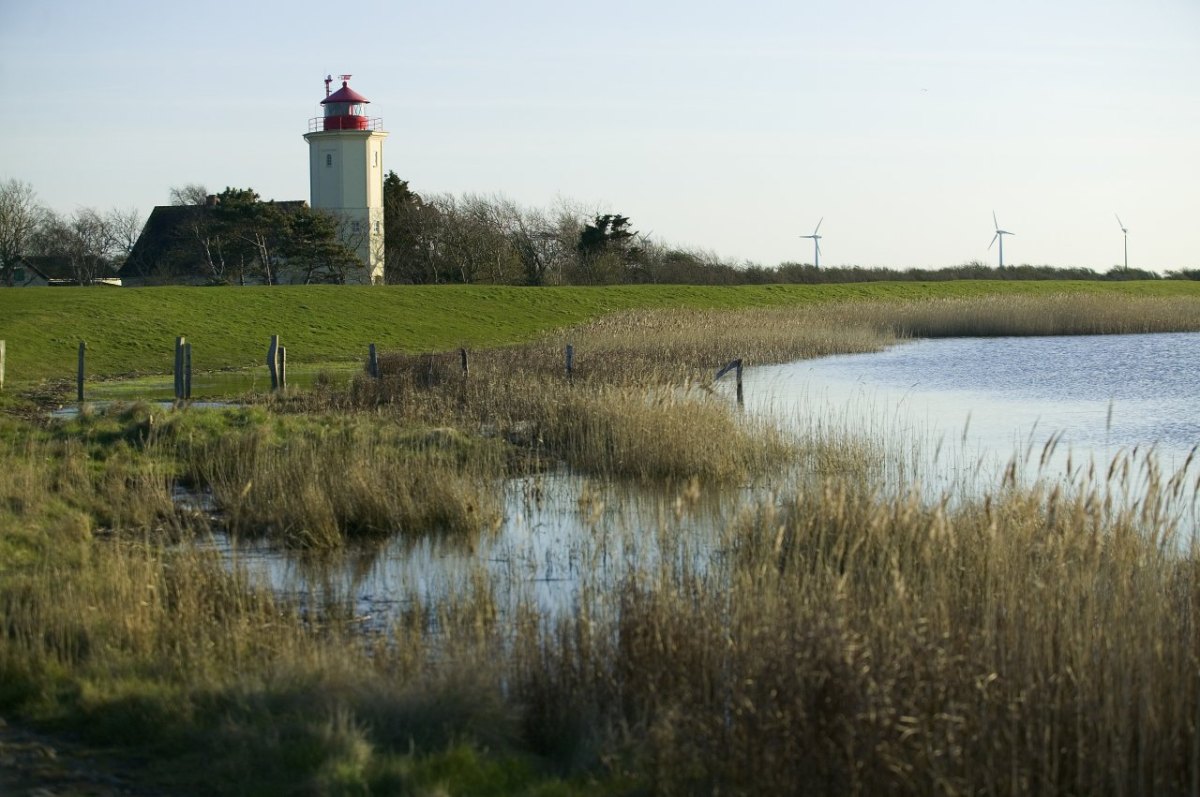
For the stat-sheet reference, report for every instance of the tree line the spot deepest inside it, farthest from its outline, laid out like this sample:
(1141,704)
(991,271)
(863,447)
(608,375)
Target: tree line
(90,241)
(431,239)
(474,238)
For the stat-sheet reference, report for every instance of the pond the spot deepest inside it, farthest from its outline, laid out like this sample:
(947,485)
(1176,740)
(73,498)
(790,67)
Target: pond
(973,405)
(954,413)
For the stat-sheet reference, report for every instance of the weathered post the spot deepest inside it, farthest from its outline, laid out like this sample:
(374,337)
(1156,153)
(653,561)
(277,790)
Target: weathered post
(273,361)
(179,342)
(187,371)
(79,371)
(282,367)
(733,365)
(1,365)
(372,362)
(462,353)
(570,361)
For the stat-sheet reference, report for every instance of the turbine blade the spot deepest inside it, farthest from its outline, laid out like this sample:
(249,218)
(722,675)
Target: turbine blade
(818,229)
(993,243)
(994,222)
(818,247)
(1120,223)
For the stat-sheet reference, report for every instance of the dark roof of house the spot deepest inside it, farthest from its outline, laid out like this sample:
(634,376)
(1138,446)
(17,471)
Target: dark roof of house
(59,268)
(162,248)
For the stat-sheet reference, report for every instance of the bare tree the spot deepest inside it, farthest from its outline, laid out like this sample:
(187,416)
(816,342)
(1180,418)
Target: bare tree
(85,240)
(124,227)
(190,194)
(20,217)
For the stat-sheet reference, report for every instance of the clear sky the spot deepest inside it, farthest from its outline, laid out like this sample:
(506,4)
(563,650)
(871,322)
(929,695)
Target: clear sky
(730,127)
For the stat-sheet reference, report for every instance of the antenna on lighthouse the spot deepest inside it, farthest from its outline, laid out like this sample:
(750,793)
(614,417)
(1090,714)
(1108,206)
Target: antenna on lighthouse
(345,78)
(328,80)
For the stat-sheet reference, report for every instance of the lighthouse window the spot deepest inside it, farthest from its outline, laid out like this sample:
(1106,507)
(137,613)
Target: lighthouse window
(375,160)
(328,158)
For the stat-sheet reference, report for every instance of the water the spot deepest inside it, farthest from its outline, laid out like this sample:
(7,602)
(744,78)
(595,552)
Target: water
(976,404)
(561,534)
(955,411)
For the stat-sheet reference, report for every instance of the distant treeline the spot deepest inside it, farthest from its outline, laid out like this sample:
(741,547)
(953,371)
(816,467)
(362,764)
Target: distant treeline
(491,239)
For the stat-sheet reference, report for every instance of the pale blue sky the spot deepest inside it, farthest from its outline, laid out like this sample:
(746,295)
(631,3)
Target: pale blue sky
(730,127)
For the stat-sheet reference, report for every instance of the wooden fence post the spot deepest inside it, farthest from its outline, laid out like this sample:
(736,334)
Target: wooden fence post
(462,353)
(570,360)
(1,365)
(733,365)
(282,367)
(273,361)
(372,362)
(187,371)
(179,342)
(79,371)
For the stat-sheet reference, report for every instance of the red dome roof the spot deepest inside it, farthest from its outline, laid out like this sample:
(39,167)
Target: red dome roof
(345,94)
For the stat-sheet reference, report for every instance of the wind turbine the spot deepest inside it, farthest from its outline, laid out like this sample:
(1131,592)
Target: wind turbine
(999,237)
(816,244)
(1125,232)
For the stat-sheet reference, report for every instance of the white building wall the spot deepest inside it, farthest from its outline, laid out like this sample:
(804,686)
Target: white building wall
(345,170)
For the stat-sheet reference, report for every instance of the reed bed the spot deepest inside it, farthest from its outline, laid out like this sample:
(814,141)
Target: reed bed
(1036,641)
(317,490)
(836,638)
(1054,314)
(1032,643)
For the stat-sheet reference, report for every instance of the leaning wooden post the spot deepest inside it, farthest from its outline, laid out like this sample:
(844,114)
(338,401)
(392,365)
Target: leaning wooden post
(1,365)
(570,361)
(79,371)
(372,362)
(282,367)
(462,354)
(179,341)
(187,371)
(733,365)
(273,361)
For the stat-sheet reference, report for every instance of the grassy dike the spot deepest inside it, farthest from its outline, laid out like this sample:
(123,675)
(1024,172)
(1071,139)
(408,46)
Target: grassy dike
(132,331)
(844,642)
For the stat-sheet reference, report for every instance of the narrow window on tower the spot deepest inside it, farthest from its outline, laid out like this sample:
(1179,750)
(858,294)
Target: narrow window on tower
(376,159)
(328,158)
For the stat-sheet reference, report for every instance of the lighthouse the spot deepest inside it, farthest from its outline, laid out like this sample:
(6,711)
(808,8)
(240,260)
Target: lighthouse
(345,169)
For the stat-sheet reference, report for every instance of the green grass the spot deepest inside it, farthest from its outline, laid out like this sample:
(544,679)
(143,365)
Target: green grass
(132,331)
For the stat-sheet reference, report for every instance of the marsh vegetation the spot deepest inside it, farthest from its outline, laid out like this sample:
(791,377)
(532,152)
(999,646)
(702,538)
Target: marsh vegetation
(832,633)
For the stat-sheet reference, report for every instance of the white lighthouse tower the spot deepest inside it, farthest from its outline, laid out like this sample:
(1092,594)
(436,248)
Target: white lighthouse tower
(345,168)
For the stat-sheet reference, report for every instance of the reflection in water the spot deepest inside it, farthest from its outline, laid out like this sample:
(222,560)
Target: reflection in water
(562,535)
(953,413)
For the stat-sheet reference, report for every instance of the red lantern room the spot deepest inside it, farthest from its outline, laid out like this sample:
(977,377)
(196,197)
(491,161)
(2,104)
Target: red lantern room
(345,108)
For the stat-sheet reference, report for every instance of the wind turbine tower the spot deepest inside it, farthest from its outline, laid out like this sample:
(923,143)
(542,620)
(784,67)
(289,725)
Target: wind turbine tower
(816,244)
(1124,232)
(999,236)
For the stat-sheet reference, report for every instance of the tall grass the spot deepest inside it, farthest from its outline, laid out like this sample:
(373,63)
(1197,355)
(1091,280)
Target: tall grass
(1033,642)
(1030,644)
(837,638)
(317,490)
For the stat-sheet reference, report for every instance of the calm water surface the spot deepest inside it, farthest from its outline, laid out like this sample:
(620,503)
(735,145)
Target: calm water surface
(981,402)
(957,410)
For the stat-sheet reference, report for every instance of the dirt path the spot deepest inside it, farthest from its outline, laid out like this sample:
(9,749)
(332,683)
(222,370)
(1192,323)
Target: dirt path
(36,765)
